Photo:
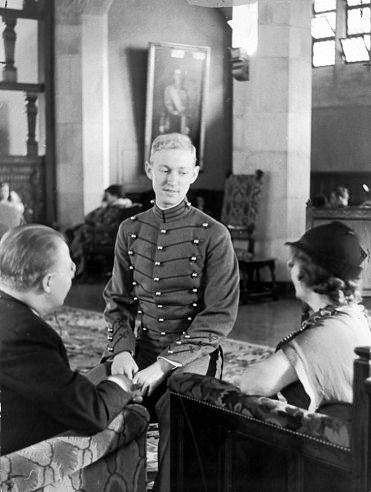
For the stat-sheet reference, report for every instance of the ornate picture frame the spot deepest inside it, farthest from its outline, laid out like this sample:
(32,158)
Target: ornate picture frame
(177,80)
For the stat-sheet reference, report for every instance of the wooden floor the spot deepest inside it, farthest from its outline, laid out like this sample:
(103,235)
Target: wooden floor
(259,321)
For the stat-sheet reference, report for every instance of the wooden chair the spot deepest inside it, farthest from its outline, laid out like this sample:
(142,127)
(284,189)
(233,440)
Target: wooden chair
(239,213)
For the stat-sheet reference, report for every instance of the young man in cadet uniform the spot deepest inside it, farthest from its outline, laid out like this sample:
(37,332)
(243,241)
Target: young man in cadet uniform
(176,271)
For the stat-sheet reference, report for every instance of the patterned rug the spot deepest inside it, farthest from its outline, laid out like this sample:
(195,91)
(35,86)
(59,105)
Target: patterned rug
(84,335)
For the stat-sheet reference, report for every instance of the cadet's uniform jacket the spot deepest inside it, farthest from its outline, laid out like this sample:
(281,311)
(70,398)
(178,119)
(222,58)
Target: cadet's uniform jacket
(176,270)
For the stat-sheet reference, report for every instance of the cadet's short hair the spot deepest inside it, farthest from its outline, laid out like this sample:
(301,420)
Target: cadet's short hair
(172,141)
(27,254)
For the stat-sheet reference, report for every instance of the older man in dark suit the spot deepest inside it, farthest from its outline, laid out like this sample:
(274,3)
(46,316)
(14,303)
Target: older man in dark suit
(40,395)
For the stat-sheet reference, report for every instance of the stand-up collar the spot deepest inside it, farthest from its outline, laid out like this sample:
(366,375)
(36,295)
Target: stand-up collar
(174,213)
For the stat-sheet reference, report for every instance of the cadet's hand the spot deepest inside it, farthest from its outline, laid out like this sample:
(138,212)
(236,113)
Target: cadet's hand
(150,377)
(127,385)
(123,363)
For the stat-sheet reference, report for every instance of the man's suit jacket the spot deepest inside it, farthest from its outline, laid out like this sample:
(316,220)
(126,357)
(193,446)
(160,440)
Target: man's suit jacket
(40,395)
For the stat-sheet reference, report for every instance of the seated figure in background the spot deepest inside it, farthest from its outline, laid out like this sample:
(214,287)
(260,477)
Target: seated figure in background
(40,395)
(339,197)
(313,366)
(10,197)
(319,201)
(100,225)
(113,197)
(11,208)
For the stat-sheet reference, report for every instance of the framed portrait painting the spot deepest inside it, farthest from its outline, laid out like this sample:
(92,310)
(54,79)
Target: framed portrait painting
(176,93)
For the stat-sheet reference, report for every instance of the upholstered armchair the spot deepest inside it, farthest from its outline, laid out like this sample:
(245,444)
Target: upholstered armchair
(110,461)
(222,439)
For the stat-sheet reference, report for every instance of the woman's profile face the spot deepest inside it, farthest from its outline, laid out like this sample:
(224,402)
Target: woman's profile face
(301,290)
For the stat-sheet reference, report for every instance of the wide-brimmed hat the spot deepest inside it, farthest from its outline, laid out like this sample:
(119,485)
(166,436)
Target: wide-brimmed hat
(335,247)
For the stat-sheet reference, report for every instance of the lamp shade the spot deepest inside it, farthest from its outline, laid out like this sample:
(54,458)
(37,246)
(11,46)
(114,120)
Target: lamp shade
(220,3)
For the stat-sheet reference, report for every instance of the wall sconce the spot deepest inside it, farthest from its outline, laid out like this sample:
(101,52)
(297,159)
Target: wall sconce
(240,64)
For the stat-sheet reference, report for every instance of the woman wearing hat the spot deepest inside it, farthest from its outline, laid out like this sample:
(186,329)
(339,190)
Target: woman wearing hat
(313,366)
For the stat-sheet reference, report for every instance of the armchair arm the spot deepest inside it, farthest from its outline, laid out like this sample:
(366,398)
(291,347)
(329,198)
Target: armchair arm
(52,460)
(229,398)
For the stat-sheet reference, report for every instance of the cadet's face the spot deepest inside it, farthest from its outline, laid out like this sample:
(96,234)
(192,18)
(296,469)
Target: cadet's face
(172,171)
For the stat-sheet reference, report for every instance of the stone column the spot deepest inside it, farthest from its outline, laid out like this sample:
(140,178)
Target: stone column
(272,118)
(81,106)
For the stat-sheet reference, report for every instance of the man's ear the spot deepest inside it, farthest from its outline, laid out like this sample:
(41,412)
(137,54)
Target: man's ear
(195,174)
(148,169)
(47,283)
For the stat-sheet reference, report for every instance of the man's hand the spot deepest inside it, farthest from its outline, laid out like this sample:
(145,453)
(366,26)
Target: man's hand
(127,385)
(123,363)
(150,377)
